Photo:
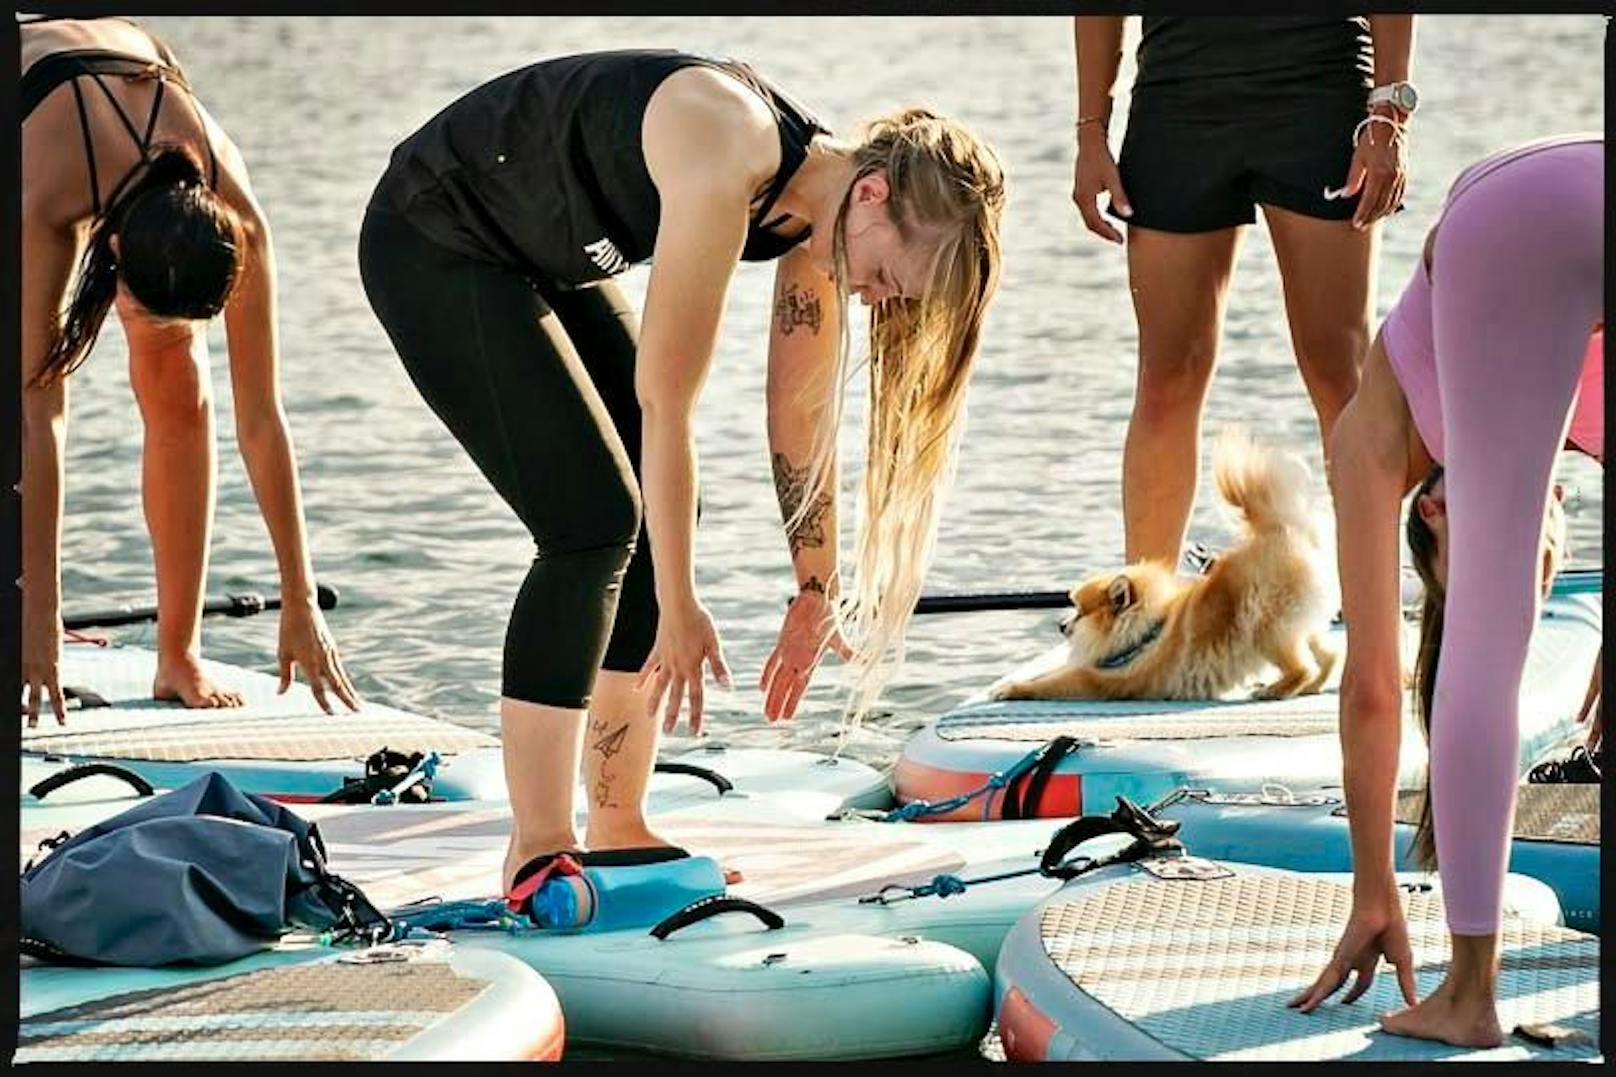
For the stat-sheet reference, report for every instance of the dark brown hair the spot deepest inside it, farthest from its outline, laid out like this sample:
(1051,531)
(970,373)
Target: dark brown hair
(179,254)
(1422,547)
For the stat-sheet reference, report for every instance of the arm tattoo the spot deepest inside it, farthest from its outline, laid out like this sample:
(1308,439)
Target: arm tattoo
(791,487)
(796,308)
(812,583)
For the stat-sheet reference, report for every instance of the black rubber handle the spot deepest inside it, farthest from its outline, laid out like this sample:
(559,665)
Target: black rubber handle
(717,780)
(708,907)
(49,785)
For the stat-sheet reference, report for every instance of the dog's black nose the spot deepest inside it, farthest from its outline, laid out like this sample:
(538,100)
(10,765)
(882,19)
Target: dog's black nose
(1067,621)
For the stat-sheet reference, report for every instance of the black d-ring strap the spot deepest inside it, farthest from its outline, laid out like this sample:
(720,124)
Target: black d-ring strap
(715,905)
(46,786)
(1151,836)
(712,777)
(1022,797)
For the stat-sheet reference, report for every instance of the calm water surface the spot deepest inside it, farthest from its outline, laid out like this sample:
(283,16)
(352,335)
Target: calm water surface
(427,557)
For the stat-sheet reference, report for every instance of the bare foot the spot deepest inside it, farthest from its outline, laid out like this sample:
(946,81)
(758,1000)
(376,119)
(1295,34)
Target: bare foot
(180,678)
(1471,1022)
(516,855)
(625,836)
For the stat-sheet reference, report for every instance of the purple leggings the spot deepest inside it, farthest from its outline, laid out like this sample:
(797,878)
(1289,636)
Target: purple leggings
(1495,340)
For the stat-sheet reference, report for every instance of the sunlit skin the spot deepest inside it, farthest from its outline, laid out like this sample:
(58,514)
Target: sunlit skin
(169,374)
(709,144)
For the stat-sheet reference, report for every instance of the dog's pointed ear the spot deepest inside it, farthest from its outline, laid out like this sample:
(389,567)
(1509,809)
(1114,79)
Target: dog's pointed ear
(1120,592)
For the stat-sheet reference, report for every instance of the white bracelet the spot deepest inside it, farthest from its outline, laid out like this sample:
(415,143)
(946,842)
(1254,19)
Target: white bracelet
(1398,131)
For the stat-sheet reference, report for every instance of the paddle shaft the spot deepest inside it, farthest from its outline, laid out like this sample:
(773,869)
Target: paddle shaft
(1570,582)
(242,605)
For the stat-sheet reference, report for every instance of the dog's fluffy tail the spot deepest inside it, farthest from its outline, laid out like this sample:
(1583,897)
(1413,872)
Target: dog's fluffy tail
(1270,489)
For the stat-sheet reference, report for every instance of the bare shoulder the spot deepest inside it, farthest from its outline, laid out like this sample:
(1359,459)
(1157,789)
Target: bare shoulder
(702,123)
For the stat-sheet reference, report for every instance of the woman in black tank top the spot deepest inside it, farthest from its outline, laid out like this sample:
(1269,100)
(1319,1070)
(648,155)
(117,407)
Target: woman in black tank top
(120,176)
(1228,114)
(487,253)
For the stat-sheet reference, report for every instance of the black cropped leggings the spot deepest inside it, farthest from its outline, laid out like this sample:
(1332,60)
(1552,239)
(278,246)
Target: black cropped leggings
(538,385)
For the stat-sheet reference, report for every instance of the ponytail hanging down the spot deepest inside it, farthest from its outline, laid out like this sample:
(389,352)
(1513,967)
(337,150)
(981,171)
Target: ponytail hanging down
(180,256)
(1423,549)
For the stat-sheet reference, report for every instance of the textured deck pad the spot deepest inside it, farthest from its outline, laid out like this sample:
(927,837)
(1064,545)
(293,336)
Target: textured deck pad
(325,1011)
(1558,813)
(1033,721)
(1206,968)
(289,727)
(403,854)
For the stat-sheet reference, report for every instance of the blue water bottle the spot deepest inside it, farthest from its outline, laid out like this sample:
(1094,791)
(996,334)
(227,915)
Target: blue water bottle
(632,895)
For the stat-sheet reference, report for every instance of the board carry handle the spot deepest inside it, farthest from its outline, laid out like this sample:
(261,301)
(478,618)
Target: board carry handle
(43,788)
(715,905)
(712,777)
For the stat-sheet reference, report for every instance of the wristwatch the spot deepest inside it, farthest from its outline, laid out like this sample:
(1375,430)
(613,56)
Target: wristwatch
(1400,95)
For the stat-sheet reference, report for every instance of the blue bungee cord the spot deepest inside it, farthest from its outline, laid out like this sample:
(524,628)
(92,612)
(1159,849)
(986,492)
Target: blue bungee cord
(917,809)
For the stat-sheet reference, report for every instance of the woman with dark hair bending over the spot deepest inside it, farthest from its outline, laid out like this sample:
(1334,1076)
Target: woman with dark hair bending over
(1483,365)
(132,196)
(487,253)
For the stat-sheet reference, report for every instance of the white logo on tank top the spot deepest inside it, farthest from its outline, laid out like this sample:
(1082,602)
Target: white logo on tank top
(604,253)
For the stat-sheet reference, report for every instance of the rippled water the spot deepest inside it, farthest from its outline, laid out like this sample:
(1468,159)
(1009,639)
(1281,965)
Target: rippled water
(427,557)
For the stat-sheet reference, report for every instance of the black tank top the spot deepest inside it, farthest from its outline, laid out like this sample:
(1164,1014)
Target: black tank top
(542,169)
(1222,62)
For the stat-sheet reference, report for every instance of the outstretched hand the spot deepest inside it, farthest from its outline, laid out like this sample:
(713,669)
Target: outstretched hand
(1372,932)
(306,643)
(685,640)
(809,629)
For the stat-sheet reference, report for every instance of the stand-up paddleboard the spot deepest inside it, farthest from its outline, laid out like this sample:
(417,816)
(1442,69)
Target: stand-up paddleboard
(1191,959)
(1556,835)
(283,746)
(762,784)
(823,986)
(400,1002)
(1144,749)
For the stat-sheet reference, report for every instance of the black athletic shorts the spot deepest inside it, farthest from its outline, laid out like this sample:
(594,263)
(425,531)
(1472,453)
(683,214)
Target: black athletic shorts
(1200,170)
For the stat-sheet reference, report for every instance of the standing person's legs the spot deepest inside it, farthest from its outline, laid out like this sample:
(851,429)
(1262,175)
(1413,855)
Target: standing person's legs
(1179,283)
(496,366)
(1327,270)
(620,744)
(1514,298)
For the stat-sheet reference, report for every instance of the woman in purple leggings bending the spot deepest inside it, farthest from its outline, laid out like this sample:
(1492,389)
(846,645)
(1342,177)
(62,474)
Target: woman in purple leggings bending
(1478,369)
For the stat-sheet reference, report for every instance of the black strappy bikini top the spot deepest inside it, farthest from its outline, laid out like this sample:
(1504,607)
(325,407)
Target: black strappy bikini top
(70,65)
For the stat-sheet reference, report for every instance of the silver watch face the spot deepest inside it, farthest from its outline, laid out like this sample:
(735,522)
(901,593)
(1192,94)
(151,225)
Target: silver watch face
(1404,97)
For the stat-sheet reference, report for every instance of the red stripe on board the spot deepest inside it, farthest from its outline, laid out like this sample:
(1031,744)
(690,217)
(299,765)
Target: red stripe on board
(1023,1029)
(1061,798)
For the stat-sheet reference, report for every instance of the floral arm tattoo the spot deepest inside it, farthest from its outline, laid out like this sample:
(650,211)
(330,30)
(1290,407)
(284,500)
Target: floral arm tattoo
(791,487)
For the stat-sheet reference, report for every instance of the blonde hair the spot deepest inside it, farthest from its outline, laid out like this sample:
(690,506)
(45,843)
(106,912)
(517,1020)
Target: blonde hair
(942,179)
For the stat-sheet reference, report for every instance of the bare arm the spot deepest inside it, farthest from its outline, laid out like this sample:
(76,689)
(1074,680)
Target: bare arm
(1393,37)
(1373,456)
(801,385)
(262,433)
(706,147)
(265,440)
(1369,474)
(1097,41)
(49,252)
(1379,170)
(803,340)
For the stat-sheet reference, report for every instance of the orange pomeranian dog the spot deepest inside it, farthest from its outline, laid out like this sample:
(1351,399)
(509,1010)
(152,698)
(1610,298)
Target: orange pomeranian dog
(1145,633)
